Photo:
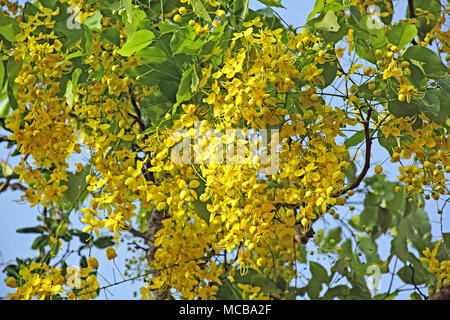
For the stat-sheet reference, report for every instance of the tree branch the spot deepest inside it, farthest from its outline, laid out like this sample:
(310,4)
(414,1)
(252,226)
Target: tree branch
(412,15)
(13,186)
(138,117)
(148,175)
(137,233)
(153,226)
(366,167)
(443,294)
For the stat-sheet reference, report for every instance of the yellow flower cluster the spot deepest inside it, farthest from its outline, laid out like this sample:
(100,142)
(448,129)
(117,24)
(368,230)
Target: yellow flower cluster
(41,122)
(440,268)
(245,210)
(38,280)
(430,165)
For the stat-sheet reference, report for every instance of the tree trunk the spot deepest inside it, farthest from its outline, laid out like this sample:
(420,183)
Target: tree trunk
(443,294)
(153,225)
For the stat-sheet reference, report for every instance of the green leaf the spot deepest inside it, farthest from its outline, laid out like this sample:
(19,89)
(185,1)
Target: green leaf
(318,237)
(13,69)
(401,33)
(228,291)
(318,272)
(128,6)
(446,237)
(152,55)
(139,40)
(341,292)
(94,22)
(370,248)
(382,296)
(183,42)
(5,107)
(347,250)
(84,236)
(112,35)
(436,105)
(184,89)
(329,73)
(2,72)
(318,6)
(444,84)
(72,87)
(370,212)
(86,38)
(104,242)
(314,288)
(61,230)
(415,296)
(40,242)
(5,169)
(155,106)
(340,267)
(335,235)
(405,229)
(9,28)
(355,222)
(200,10)
(73,55)
(417,77)
(355,139)
(255,278)
(329,22)
(406,274)
(166,27)
(420,221)
(134,21)
(38,229)
(384,219)
(302,257)
(239,13)
(430,61)
(399,248)
(388,143)
(368,39)
(200,206)
(431,6)
(75,194)
(443,252)
(272,3)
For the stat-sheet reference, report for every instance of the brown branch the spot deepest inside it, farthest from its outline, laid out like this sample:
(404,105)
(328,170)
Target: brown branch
(148,175)
(137,233)
(366,167)
(153,226)
(138,117)
(412,15)
(443,294)
(13,186)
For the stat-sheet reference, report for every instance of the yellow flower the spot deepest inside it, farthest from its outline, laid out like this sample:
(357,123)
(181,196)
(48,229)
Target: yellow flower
(92,263)
(110,253)
(11,282)
(312,74)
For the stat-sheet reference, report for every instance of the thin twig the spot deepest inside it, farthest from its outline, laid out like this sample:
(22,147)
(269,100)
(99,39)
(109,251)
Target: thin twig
(414,283)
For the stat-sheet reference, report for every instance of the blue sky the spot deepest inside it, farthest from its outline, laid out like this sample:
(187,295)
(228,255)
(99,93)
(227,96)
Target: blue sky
(14,215)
